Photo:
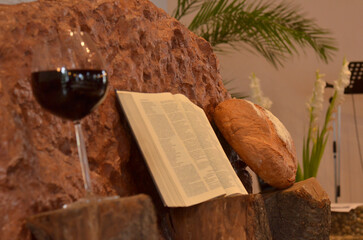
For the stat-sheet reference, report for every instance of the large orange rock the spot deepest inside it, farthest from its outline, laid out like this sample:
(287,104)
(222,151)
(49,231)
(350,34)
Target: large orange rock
(144,49)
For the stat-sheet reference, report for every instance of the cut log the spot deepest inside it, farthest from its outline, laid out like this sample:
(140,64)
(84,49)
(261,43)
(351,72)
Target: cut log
(115,218)
(299,212)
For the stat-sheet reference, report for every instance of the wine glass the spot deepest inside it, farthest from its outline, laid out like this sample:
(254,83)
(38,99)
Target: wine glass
(68,80)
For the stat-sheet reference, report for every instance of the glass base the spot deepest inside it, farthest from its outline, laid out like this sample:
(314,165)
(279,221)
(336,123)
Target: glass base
(89,200)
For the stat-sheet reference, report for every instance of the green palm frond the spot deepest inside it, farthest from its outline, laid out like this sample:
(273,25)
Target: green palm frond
(275,31)
(185,7)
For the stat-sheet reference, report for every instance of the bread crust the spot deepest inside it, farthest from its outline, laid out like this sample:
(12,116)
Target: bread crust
(260,139)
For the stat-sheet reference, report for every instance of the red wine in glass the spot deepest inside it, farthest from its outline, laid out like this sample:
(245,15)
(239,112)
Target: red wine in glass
(68,80)
(70,94)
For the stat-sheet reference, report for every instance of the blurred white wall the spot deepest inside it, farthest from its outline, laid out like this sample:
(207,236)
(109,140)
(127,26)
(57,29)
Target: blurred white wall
(290,87)
(161,4)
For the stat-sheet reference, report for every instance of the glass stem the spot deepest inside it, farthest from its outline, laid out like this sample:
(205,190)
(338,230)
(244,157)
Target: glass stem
(83,158)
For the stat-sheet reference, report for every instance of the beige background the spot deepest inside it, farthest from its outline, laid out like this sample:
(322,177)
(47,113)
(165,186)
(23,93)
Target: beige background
(290,87)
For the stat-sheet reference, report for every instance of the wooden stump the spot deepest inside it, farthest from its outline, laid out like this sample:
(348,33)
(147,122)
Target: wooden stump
(299,212)
(120,218)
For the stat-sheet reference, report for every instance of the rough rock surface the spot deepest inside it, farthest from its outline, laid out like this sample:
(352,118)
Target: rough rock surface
(144,49)
(301,212)
(128,218)
(347,224)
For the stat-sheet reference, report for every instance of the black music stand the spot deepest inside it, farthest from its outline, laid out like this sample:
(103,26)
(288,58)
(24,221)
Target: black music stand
(355,87)
(356,78)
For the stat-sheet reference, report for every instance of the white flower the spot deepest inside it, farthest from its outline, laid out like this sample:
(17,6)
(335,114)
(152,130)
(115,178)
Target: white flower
(315,103)
(342,82)
(257,94)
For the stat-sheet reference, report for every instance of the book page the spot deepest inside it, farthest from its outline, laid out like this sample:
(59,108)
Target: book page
(211,147)
(172,136)
(149,150)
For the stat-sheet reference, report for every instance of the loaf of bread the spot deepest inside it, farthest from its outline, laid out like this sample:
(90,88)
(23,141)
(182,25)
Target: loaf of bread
(260,139)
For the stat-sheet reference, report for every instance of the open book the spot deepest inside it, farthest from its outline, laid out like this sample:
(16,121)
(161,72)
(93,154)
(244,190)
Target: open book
(180,147)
